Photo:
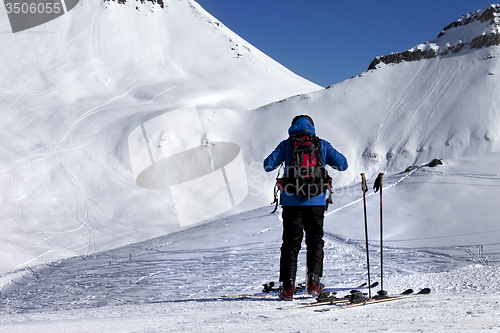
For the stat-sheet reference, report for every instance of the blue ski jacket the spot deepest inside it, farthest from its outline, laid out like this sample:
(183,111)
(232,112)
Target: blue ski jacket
(283,153)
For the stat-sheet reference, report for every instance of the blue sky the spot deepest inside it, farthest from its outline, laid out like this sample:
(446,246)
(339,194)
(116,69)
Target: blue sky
(329,41)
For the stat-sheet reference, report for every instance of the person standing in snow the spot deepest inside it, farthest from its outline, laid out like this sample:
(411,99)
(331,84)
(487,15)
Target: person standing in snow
(302,211)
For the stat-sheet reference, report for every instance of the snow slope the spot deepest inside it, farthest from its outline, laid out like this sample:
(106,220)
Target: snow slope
(173,283)
(71,92)
(66,130)
(68,186)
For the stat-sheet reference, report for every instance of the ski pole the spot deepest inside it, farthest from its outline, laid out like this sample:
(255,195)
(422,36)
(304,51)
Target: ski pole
(364,188)
(378,186)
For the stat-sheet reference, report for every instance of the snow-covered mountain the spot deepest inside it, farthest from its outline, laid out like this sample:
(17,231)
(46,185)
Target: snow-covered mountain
(404,114)
(471,31)
(120,47)
(443,106)
(75,91)
(71,92)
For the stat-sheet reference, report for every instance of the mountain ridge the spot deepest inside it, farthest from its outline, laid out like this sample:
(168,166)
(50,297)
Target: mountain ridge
(485,33)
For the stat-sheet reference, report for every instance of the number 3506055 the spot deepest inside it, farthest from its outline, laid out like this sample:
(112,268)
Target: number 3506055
(33,8)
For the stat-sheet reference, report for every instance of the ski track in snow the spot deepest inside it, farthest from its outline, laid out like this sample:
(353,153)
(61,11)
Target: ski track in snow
(174,282)
(87,211)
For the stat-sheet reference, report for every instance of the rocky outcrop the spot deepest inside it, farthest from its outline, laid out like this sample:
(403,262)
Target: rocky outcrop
(485,41)
(432,50)
(159,2)
(403,56)
(488,14)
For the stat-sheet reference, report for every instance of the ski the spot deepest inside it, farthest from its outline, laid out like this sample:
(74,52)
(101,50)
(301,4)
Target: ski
(318,303)
(325,299)
(404,295)
(269,290)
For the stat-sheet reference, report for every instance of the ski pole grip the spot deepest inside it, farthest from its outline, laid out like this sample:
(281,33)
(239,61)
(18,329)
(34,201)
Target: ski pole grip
(364,188)
(378,182)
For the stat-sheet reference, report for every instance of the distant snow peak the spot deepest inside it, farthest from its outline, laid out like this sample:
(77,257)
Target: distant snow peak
(491,13)
(471,31)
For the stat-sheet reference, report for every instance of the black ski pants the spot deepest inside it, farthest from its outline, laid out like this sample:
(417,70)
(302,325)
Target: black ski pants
(296,220)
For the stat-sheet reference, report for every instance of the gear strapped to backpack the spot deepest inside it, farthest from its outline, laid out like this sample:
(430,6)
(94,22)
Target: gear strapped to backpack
(306,176)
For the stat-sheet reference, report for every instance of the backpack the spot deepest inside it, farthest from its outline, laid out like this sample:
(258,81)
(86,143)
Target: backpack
(306,176)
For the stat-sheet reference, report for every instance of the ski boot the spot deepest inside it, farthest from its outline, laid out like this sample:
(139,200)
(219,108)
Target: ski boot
(286,291)
(313,286)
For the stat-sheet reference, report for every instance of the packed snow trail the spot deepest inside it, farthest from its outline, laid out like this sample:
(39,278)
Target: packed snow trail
(173,283)
(228,256)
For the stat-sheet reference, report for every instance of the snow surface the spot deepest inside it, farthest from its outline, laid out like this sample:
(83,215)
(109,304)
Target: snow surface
(84,249)
(173,284)
(72,91)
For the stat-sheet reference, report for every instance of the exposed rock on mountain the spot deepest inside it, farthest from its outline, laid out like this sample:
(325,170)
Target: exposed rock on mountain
(481,28)
(487,14)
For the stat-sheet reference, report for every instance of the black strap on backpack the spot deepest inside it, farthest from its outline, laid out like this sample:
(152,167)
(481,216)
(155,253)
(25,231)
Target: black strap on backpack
(276,190)
(306,176)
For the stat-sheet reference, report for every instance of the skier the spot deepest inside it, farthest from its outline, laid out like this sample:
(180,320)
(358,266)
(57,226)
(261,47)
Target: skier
(303,204)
